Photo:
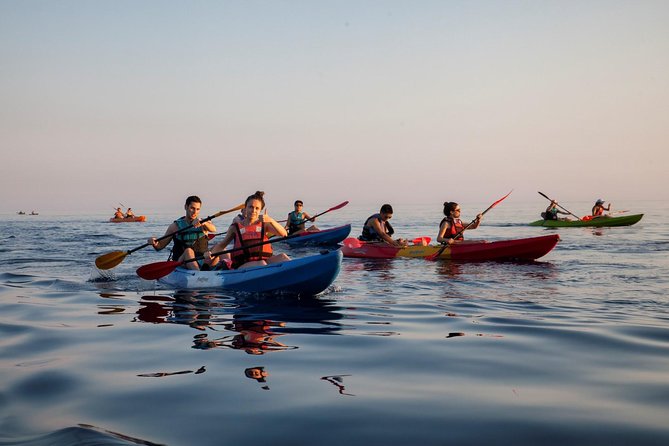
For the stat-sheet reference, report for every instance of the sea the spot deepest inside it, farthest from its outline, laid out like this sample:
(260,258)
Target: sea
(572,349)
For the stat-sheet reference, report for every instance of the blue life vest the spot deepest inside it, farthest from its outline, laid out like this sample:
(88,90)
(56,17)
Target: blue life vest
(190,238)
(295,222)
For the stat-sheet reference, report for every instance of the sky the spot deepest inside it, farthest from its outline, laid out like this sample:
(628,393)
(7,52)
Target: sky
(144,103)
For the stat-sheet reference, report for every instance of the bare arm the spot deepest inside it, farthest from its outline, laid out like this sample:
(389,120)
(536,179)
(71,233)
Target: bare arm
(159,245)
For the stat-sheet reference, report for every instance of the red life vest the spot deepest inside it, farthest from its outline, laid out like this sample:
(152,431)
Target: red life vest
(455,227)
(250,235)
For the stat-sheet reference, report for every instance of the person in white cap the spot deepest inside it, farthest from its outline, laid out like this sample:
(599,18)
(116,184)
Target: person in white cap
(598,209)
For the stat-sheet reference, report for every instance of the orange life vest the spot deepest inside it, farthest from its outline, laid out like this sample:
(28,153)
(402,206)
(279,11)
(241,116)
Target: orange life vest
(456,226)
(250,235)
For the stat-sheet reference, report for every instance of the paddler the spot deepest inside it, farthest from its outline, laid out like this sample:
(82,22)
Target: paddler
(552,212)
(118,213)
(451,224)
(129,213)
(190,243)
(296,221)
(253,229)
(598,209)
(377,228)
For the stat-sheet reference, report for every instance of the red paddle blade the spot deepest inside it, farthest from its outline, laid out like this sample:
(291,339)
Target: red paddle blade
(499,201)
(339,206)
(156,270)
(433,257)
(421,241)
(352,242)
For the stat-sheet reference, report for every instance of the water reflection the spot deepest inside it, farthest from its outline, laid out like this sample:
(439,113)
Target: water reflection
(259,374)
(338,382)
(253,324)
(255,337)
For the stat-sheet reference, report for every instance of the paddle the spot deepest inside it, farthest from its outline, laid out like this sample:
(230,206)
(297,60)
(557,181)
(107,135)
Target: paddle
(113,258)
(352,242)
(566,210)
(156,270)
(334,208)
(438,253)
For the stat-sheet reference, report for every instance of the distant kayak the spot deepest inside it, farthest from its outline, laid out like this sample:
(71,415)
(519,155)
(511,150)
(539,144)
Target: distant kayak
(139,218)
(623,220)
(324,237)
(306,276)
(475,250)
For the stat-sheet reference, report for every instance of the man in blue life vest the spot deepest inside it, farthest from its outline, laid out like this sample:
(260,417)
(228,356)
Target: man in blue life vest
(191,242)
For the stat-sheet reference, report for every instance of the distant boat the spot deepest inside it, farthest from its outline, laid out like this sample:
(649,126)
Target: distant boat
(21,213)
(34,213)
(137,218)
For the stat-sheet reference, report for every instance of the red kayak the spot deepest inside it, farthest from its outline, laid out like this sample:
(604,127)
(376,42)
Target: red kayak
(475,250)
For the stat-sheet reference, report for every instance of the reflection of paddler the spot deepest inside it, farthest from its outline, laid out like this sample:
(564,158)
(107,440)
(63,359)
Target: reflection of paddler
(256,337)
(257,373)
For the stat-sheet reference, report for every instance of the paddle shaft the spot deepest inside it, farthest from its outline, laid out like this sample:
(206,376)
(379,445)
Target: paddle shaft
(211,217)
(551,200)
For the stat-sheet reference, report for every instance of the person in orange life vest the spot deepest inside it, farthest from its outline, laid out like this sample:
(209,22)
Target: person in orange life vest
(118,213)
(253,229)
(295,223)
(598,209)
(191,242)
(451,224)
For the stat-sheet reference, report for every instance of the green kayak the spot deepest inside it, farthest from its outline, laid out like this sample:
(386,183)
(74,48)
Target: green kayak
(624,220)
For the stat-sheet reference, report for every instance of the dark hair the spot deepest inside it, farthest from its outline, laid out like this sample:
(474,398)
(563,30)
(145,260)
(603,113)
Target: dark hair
(386,209)
(448,207)
(193,199)
(257,196)
(297,202)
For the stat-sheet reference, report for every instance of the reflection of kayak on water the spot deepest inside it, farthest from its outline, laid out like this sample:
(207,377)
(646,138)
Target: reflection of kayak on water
(138,218)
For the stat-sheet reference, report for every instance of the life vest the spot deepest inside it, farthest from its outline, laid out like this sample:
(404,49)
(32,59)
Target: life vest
(190,238)
(369,234)
(551,214)
(455,227)
(295,222)
(250,235)
(597,211)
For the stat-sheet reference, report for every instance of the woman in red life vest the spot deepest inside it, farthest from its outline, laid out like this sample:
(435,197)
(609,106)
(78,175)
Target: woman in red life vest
(253,229)
(451,224)
(598,209)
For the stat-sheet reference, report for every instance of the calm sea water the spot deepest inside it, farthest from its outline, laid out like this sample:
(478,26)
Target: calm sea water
(573,349)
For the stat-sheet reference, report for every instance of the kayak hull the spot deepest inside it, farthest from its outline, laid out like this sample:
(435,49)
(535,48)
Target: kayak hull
(325,237)
(305,276)
(468,251)
(597,222)
(137,219)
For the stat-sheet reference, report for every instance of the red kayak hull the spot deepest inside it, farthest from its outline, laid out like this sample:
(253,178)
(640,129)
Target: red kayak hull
(470,251)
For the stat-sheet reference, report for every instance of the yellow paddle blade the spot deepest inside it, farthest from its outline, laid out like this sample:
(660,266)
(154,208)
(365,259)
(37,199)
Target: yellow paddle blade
(110,260)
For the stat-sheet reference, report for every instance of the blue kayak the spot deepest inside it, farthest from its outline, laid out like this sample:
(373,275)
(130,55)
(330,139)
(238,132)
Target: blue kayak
(324,237)
(305,276)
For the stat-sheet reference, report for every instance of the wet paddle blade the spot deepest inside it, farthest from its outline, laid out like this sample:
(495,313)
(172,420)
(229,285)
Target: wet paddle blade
(110,260)
(156,270)
(424,241)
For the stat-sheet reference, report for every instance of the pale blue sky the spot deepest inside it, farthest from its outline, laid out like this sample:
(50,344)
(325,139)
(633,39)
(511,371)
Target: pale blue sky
(146,102)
